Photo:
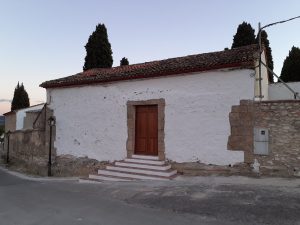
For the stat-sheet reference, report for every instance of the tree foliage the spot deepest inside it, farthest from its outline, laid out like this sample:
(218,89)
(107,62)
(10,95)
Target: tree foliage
(124,62)
(270,63)
(244,35)
(291,66)
(98,50)
(20,99)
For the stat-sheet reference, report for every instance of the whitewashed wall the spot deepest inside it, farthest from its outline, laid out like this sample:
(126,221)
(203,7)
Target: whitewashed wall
(278,91)
(20,115)
(91,120)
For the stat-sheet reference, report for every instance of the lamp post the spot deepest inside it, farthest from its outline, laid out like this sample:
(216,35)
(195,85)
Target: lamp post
(51,123)
(7,153)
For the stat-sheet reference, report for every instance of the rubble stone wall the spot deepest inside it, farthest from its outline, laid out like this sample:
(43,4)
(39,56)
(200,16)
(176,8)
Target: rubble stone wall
(282,119)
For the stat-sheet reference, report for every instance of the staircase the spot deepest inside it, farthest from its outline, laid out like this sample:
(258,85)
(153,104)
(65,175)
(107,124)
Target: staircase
(138,167)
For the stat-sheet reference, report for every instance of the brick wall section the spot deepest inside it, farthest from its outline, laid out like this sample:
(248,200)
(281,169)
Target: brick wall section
(241,127)
(282,118)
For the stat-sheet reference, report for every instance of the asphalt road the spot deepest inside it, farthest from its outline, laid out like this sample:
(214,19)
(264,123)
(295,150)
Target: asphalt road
(207,201)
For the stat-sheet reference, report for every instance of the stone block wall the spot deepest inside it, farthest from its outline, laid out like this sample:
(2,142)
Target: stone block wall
(10,121)
(27,150)
(282,119)
(30,119)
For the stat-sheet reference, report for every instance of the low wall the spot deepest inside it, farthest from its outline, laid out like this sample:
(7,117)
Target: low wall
(27,150)
(277,91)
(282,119)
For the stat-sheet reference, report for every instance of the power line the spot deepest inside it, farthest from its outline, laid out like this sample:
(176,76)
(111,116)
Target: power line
(283,21)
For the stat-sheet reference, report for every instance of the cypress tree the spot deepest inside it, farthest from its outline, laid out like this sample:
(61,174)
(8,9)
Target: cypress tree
(98,50)
(20,99)
(244,35)
(124,62)
(270,63)
(291,66)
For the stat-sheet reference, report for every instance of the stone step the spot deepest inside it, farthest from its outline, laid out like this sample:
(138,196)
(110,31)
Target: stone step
(144,161)
(143,166)
(87,180)
(166,173)
(147,157)
(127,175)
(108,178)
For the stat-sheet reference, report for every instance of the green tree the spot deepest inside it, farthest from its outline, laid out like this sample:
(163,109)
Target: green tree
(291,66)
(20,99)
(98,50)
(124,62)
(244,35)
(270,63)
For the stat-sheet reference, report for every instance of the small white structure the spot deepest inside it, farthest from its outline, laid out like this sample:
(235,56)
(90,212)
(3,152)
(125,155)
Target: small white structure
(16,120)
(278,91)
(21,113)
(176,109)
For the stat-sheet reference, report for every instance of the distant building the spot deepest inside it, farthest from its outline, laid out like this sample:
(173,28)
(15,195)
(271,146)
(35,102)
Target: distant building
(2,120)
(22,118)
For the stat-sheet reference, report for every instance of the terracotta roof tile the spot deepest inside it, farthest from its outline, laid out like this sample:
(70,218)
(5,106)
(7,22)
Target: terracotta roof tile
(234,58)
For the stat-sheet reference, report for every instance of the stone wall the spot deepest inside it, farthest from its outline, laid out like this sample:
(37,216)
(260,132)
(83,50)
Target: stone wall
(27,150)
(30,119)
(10,121)
(282,119)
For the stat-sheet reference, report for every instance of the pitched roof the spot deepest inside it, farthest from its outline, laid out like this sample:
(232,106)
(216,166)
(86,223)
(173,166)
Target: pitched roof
(243,57)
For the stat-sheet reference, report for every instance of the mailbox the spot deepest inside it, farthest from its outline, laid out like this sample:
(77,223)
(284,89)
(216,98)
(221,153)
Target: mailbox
(261,141)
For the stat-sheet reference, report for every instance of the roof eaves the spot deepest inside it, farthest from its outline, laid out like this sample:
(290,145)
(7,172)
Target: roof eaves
(94,80)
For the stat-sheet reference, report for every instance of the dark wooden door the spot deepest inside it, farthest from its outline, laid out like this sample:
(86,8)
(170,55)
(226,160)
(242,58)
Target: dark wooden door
(146,130)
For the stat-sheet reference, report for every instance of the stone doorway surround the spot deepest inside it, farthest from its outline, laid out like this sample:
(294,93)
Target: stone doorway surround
(131,106)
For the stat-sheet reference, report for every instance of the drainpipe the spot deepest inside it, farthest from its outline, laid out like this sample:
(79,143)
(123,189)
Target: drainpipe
(51,123)
(7,153)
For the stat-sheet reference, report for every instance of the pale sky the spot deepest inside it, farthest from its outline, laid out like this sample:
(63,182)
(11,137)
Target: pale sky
(42,40)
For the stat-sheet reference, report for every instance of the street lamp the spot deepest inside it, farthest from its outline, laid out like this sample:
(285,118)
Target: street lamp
(51,123)
(7,154)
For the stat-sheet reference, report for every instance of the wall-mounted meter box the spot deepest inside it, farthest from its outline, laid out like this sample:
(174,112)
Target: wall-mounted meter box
(261,141)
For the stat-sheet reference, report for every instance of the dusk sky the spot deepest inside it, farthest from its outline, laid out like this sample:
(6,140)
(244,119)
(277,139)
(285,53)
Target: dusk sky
(42,40)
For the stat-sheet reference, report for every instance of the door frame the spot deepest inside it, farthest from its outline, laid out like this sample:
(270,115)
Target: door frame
(131,113)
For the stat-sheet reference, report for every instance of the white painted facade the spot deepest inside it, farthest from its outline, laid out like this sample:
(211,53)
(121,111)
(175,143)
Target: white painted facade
(92,120)
(278,91)
(20,115)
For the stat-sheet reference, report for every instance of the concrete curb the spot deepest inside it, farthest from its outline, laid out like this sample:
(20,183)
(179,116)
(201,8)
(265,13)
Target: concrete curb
(31,178)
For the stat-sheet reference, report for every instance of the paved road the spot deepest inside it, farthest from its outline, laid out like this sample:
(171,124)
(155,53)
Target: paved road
(207,201)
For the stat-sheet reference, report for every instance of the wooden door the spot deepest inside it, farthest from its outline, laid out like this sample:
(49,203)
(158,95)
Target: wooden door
(146,130)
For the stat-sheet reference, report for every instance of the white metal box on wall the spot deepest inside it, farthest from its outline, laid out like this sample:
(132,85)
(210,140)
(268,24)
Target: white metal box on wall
(261,141)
